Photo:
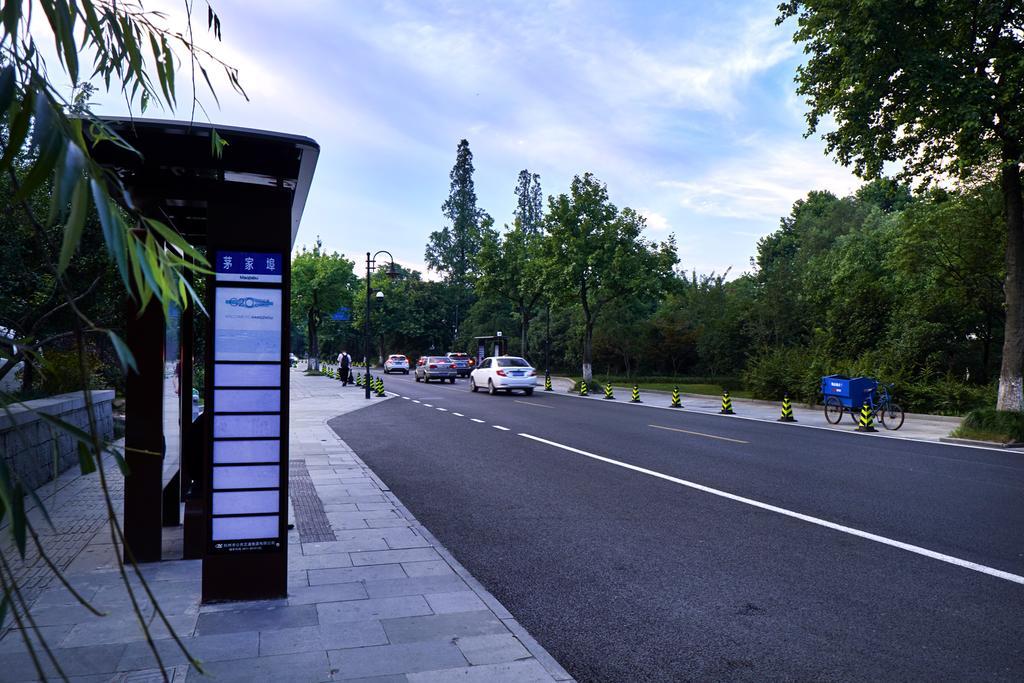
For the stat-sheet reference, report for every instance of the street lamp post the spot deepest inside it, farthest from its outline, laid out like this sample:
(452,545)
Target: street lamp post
(392,273)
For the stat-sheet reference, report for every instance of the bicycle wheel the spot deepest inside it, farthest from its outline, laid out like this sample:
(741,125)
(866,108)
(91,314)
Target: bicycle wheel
(833,410)
(892,416)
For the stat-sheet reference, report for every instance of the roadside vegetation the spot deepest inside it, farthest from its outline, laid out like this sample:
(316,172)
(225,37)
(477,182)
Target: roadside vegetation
(987,424)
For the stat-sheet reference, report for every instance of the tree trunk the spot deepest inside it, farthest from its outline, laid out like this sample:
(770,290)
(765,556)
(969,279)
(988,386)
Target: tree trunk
(588,352)
(526,332)
(312,341)
(1011,384)
(28,373)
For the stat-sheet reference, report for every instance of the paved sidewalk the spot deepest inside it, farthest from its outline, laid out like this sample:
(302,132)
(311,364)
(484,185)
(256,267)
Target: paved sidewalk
(371,593)
(923,427)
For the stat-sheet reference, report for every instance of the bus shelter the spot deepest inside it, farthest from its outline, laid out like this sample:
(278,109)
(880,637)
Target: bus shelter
(223,452)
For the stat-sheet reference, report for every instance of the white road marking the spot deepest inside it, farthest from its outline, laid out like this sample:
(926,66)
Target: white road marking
(429,405)
(415,400)
(530,403)
(966,564)
(458,414)
(443,410)
(687,431)
(406,398)
(504,429)
(476,420)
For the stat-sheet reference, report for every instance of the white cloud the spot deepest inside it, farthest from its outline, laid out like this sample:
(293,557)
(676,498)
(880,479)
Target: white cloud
(762,180)
(655,221)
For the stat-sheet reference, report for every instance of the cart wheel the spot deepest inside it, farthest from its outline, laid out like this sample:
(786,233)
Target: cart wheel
(892,417)
(833,410)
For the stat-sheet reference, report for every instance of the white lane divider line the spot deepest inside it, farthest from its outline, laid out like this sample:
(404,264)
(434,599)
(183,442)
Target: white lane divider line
(406,398)
(504,429)
(443,410)
(966,564)
(476,420)
(457,414)
(429,405)
(415,400)
(687,431)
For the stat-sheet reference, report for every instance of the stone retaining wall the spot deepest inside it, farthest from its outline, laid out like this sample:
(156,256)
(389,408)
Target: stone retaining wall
(27,441)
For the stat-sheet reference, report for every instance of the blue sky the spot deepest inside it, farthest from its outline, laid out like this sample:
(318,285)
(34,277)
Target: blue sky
(685,109)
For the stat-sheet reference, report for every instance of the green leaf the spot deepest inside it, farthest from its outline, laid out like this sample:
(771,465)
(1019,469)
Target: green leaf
(74,226)
(20,122)
(113,230)
(172,237)
(4,601)
(19,525)
(217,144)
(12,14)
(71,430)
(124,354)
(86,463)
(7,83)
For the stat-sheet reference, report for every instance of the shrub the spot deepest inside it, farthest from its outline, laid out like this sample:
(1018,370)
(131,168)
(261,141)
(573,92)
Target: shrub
(992,425)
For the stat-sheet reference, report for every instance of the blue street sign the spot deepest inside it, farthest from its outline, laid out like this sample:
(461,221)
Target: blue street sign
(343,314)
(245,266)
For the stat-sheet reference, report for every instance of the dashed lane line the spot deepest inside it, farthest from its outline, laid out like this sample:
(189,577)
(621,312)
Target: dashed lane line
(476,420)
(415,400)
(458,414)
(504,429)
(406,398)
(429,405)
(709,436)
(443,410)
(531,403)
(949,559)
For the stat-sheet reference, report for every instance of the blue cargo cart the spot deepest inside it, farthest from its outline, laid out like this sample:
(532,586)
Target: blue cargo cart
(848,394)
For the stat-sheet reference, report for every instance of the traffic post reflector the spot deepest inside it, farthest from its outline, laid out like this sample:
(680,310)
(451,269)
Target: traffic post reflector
(608,391)
(380,386)
(866,423)
(676,402)
(787,410)
(636,395)
(726,403)
(583,387)
(547,382)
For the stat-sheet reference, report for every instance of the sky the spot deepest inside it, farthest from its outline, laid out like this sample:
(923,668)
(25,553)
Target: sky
(686,110)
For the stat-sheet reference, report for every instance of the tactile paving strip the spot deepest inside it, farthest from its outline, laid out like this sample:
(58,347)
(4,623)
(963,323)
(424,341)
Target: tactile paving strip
(310,519)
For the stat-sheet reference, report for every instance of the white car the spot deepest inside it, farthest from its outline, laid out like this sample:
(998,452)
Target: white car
(396,363)
(503,372)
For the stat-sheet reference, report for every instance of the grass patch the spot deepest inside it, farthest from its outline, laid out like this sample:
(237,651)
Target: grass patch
(662,384)
(988,424)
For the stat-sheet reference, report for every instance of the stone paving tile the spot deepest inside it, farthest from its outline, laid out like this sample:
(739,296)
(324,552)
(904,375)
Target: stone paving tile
(323,637)
(419,585)
(395,659)
(372,608)
(462,601)
(256,619)
(370,540)
(112,629)
(442,626)
(326,561)
(293,668)
(526,671)
(429,568)
(386,556)
(492,649)
(13,642)
(328,592)
(75,661)
(342,575)
(212,648)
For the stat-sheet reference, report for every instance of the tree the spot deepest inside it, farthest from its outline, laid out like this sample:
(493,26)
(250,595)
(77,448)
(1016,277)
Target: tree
(451,250)
(596,254)
(321,284)
(529,203)
(510,267)
(937,87)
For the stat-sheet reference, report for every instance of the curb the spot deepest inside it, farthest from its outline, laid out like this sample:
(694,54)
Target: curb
(979,442)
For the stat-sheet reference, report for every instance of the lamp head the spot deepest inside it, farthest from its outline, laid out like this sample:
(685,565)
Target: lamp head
(380,296)
(392,271)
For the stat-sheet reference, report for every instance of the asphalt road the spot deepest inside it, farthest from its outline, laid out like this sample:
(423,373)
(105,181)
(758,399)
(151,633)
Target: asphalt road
(638,543)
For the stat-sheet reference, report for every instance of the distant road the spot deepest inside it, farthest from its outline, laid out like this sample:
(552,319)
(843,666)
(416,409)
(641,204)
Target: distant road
(639,543)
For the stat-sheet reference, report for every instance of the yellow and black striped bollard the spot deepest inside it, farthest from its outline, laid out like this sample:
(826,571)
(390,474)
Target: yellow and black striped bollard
(866,423)
(583,388)
(608,392)
(547,382)
(726,404)
(636,395)
(787,410)
(359,380)
(380,386)
(676,402)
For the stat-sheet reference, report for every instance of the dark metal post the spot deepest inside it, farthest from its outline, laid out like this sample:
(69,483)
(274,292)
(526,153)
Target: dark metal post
(547,344)
(366,330)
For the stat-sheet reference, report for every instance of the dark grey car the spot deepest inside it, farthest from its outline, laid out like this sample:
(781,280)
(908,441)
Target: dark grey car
(435,367)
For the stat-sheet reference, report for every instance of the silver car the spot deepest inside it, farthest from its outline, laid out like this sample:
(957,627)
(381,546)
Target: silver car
(396,362)
(435,367)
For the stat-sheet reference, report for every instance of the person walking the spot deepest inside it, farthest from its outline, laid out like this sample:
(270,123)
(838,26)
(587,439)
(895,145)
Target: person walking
(345,367)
